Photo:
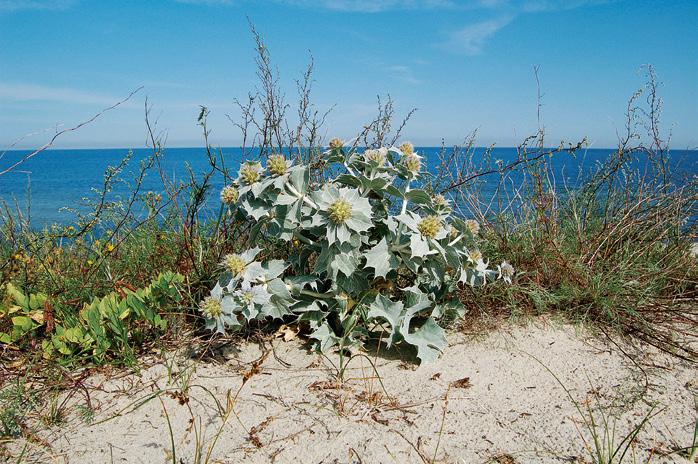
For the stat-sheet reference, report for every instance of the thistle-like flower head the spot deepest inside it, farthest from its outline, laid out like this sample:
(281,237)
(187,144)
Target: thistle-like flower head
(377,156)
(473,226)
(229,195)
(277,165)
(234,263)
(429,227)
(336,143)
(407,148)
(440,201)
(475,256)
(339,211)
(249,172)
(412,162)
(211,307)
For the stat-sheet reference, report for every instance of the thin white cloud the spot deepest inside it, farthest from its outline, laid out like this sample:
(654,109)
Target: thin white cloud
(403,73)
(17,5)
(31,92)
(471,39)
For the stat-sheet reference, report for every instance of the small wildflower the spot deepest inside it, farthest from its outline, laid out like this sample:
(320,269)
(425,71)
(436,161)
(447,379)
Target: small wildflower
(336,143)
(412,162)
(339,211)
(376,156)
(234,263)
(277,165)
(506,272)
(90,262)
(96,243)
(109,247)
(473,226)
(407,148)
(211,307)
(249,172)
(229,195)
(430,226)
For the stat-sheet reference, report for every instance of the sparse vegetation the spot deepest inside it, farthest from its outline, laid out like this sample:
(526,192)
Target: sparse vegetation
(342,258)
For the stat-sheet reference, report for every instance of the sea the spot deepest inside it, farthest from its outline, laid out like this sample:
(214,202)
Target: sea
(50,187)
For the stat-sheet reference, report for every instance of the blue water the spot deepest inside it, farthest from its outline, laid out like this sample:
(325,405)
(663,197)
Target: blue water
(56,179)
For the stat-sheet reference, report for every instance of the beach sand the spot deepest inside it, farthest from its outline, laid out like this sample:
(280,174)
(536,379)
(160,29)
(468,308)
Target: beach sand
(486,399)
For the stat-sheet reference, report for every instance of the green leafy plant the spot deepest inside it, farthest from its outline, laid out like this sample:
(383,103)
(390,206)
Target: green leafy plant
(109,325)
(369,251)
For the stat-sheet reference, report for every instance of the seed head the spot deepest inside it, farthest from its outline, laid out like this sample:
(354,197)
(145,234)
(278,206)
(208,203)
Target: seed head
(234,263)
(339,211)
(407,148)
(211,307)
(276,164)
(429,227)
(229,195)
(250,173)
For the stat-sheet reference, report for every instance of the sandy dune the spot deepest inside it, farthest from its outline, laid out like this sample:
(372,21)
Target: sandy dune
(485,400)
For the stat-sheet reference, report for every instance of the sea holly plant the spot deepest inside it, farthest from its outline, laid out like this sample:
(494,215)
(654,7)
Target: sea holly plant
(373,254)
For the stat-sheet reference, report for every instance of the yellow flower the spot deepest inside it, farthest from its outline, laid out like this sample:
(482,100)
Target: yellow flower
(430,226)
(90,262)
(109,247)
(339,211)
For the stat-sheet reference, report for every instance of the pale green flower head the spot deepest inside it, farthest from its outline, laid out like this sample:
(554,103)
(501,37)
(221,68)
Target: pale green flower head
(250,172)
(473,226)
(243,266)
(277,165)
(413,163)
(377,156)
(336,143)
(229,195)
(218,310)
(430,227)
(344,212)
(407,148)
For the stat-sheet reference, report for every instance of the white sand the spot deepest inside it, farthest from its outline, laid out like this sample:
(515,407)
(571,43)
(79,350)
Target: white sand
(513,405)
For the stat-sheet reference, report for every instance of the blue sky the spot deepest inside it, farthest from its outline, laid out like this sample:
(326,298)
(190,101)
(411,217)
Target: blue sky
(465,64)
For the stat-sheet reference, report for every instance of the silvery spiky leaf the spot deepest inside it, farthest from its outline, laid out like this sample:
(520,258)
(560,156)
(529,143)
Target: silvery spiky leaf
(251,298)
